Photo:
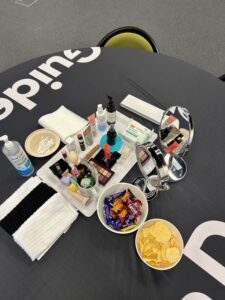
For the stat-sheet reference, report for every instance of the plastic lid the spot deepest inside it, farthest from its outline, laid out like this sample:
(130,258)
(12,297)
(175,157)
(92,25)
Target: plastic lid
(100,108)
(91,118)
(8,144)
(70,142)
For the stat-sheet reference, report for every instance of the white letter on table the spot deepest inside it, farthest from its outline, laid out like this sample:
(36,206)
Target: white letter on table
(46,67)
(7,106)
(23,98)
(95,53)
(193,249)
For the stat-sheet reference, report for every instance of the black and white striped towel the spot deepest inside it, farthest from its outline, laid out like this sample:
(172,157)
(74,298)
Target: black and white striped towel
(36,216)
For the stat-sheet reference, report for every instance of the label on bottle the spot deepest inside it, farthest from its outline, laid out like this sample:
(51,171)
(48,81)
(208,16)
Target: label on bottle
(22,163)
(111,117)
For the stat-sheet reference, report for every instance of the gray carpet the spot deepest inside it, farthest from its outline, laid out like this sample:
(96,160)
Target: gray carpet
(187,29)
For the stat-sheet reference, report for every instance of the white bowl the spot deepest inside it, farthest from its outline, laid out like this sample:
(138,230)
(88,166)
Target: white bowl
(119,187)
(173,228)
(34,138)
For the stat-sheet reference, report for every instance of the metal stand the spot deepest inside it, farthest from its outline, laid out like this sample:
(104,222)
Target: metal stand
(177,167)
(143,184)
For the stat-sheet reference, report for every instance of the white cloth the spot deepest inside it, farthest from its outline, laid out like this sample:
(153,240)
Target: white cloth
(64,122)
(18,196)
(38,233)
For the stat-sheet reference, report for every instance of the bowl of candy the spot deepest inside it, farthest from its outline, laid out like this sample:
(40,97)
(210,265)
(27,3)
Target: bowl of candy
(159,244)
(122,208)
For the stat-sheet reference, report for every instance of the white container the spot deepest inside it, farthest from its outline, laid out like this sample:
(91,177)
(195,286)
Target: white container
(119,187)
(101,118)
(16,155)
(173,228)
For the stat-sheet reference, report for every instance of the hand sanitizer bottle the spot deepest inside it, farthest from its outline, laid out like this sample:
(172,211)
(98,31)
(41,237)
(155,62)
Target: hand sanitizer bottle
(16,155)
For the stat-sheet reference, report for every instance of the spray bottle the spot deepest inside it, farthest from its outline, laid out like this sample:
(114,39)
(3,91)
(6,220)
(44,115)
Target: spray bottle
(16,155)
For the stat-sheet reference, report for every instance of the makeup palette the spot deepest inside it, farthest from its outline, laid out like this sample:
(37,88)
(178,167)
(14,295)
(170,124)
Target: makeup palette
(100,158)
(105,174)
(143,156)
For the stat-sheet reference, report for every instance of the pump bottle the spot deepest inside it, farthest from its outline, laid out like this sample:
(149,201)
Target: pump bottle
(16,155)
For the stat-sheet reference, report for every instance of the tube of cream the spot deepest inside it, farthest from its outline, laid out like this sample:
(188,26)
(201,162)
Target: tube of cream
(88,135)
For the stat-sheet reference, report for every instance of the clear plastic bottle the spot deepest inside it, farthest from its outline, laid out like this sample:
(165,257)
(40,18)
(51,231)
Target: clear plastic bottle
(101,118)
(16,155)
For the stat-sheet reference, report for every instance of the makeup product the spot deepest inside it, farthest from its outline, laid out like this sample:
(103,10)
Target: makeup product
(137,133)
(77,195)
(125,152)
(16,155)
(101,118)
(65,180)
(92,122)
(100,157)
(105,174)
(64,155)
(81,142)
(88,135)
(60,168)
(111,111)
(91,152)
(85,178)
(72,153)
(111,136)
(106,150)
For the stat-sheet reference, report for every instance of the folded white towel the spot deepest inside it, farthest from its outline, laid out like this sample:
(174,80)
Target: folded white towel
(64,122)
(18,196)
(45,226)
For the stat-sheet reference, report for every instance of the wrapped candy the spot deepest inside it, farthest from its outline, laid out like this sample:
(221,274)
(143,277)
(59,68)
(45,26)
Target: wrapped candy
(122,210)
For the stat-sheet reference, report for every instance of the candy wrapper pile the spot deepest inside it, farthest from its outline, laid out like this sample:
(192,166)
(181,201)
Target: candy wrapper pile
(122,210)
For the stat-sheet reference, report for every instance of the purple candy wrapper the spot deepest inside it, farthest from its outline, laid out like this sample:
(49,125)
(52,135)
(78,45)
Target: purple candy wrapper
(107,213)
(129,220)
(114,196)
(116,224)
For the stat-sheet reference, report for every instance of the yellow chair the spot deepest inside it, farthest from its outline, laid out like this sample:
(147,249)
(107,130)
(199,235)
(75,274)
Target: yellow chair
(129,37)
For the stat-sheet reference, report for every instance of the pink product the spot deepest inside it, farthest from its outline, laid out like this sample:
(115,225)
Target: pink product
(92,122)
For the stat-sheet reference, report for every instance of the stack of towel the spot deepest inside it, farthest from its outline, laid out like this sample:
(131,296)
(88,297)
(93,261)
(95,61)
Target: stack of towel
(64,122)
(36,216)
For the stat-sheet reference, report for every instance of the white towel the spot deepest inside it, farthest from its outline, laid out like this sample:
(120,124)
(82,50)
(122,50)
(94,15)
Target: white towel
(64,122)
(45,226)
(18,196)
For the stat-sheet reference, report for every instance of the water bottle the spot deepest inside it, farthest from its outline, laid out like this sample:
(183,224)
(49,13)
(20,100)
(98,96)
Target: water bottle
(16,155)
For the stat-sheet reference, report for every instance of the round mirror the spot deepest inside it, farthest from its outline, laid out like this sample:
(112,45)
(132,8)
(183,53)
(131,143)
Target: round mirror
(176,131)
(153,168)
(176,135)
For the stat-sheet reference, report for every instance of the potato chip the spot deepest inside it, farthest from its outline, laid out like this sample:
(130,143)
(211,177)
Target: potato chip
(158,244)
(162,233)
(172,254)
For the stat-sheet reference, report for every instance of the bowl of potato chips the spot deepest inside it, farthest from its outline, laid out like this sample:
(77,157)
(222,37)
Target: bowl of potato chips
(159,244)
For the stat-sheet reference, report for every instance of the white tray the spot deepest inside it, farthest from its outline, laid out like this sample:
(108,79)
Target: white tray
(121,168)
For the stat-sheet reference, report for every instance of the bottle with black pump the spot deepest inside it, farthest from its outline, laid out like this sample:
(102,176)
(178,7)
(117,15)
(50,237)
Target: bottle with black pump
(111,136)
(111,111)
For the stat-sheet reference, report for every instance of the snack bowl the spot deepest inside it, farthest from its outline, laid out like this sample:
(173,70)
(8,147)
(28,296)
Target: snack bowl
(152,243)
(119,187)
(35,137)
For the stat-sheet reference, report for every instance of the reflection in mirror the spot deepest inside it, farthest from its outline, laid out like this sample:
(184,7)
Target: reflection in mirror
(153,168)
(176,131)
(176,134)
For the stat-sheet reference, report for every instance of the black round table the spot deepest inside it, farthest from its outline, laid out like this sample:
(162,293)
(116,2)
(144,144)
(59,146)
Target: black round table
(90,262)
